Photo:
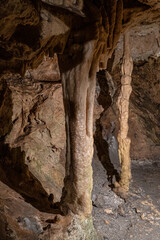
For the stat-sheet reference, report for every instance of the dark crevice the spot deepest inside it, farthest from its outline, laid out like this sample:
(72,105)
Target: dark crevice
(102,146)
(28,35)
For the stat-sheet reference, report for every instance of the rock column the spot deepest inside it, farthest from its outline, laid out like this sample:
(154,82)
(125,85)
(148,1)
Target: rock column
(123,106)
(86,51)
(78,94)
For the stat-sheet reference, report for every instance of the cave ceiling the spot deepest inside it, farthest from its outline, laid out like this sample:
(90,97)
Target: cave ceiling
(31,29)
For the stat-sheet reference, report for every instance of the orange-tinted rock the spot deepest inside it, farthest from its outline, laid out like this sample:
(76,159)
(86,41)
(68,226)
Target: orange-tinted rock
(144,128)
(38,123)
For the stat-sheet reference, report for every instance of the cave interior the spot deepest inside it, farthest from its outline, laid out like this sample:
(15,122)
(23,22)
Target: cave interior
(80,120)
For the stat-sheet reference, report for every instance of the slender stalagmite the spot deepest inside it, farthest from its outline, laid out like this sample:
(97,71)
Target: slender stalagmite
(123,106)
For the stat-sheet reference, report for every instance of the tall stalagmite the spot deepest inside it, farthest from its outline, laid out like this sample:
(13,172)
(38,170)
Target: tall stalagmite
(82,58)
(123,106)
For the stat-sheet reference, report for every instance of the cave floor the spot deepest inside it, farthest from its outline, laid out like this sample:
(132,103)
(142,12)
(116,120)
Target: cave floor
(137,218)
(19,220)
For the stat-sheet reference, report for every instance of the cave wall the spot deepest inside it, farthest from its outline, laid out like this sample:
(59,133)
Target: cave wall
(33,122)
(144,113)
(36,125)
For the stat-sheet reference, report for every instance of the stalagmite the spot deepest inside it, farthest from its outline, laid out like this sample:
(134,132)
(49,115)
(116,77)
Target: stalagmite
(123,106)
(78,90)
(82,58)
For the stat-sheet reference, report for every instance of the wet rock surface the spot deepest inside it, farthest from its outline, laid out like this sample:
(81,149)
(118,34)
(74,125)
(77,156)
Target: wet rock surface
(137,217)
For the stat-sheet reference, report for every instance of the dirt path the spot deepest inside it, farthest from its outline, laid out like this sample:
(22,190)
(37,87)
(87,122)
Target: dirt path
(139,217)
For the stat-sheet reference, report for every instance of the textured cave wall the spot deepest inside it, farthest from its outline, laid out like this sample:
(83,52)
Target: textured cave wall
(31,29)
(32,120)
(33,111)
(145,111)
(28,31)
(33,129)
(35,121)
(144,128)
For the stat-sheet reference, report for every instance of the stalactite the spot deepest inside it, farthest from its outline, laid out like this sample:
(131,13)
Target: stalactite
(123,106)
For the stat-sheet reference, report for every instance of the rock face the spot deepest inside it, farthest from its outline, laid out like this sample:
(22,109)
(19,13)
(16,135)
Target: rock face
(19,21)
(19,220)
(50,23)
(144,101)
(144,42)
(145,111)
(36,115)
(72,5)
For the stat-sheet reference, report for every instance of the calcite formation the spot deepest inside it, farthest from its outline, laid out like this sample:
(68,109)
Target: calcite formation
(79,81)
(144,100)
(123,107)
(84,35)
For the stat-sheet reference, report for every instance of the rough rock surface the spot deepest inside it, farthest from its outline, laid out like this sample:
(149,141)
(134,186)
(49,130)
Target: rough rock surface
(20,220)
(114,219)
(123,109)
(37,123)
(32,121)
(49,23)
(29,118)
(144,101)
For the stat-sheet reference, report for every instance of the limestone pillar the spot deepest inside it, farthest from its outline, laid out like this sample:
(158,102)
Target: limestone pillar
(123,106)
(78,93)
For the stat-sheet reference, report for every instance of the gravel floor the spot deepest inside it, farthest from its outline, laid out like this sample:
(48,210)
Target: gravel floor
(139,217)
